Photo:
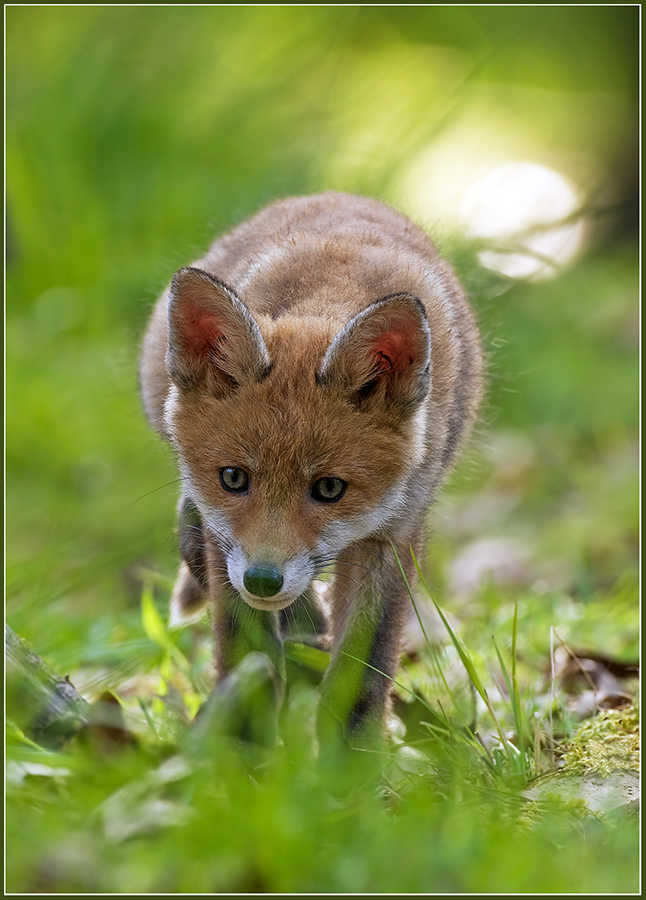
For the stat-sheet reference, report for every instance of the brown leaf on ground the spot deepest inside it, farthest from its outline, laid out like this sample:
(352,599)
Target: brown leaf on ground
(106,728)
(594,682)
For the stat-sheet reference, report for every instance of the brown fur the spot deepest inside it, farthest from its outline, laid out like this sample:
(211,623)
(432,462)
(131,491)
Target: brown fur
(302,354)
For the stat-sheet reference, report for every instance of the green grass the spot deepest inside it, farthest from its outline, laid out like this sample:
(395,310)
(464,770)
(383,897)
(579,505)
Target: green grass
(189,810)
(135,135)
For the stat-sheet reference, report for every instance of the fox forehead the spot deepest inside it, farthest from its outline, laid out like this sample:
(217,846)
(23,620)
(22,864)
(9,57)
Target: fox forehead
(290,437)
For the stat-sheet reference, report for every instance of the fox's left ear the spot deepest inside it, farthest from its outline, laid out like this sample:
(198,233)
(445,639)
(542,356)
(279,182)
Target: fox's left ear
(384,353)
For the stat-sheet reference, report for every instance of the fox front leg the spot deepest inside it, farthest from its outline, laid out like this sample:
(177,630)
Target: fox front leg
(369,608)
(191,591)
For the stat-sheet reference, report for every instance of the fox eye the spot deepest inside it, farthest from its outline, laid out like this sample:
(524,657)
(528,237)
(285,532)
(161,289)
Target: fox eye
(329,489)
(233,479)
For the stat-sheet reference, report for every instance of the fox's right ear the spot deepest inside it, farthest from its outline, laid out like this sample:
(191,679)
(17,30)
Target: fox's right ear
(214,342)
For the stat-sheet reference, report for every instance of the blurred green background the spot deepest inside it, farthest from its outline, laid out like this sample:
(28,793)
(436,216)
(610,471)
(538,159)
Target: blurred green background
(135,135)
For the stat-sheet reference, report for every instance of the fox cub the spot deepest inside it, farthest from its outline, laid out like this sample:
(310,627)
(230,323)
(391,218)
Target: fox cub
(316,373)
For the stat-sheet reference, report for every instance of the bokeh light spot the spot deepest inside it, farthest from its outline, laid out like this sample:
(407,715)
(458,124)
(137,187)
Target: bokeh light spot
(527,214)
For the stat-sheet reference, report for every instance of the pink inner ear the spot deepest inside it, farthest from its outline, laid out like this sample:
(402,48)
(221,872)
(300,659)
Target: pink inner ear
(201,330)
(391,353)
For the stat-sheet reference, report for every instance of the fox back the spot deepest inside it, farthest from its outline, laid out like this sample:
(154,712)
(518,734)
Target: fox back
(316,374)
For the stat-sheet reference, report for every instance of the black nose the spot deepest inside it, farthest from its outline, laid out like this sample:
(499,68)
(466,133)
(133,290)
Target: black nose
(263,580)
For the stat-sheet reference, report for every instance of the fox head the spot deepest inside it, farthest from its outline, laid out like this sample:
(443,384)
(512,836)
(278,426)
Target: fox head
(296,436)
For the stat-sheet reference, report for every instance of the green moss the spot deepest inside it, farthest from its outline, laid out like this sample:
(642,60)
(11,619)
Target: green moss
(606,744)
